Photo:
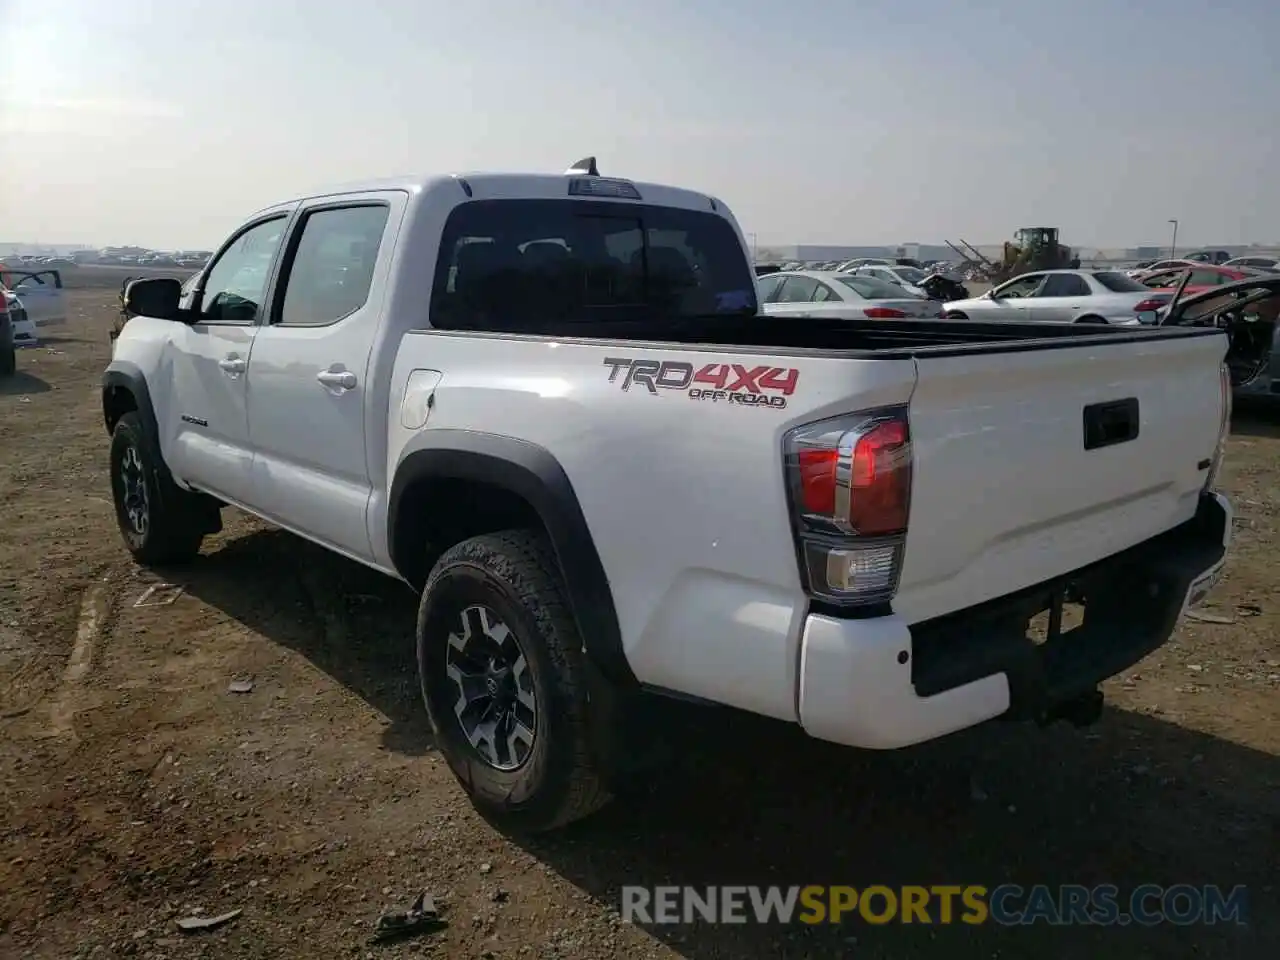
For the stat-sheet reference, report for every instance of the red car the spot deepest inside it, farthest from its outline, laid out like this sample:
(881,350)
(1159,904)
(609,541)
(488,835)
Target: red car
(1204,276)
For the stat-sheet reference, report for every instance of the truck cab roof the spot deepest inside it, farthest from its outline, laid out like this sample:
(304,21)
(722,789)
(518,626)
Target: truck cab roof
(481,185)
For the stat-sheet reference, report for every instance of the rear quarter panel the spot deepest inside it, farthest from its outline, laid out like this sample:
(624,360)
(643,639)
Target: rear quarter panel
(684,497)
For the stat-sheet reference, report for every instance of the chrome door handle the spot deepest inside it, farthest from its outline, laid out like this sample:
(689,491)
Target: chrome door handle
(232,365)
(337,379)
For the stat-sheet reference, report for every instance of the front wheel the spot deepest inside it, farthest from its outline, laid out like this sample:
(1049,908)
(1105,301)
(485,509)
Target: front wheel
(157,519)
(504,681)
(955,315)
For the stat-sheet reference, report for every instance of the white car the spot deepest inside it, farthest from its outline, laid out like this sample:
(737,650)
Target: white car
(1065,296)
(1269,264)
(1154,265)
(35,300)
(829,293)
(549,403)
(908,278)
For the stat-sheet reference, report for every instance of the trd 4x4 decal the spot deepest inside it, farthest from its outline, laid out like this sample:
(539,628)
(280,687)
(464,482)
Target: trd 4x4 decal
(754,386)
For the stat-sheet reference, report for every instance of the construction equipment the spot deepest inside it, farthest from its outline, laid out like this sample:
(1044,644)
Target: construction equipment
(1033,248)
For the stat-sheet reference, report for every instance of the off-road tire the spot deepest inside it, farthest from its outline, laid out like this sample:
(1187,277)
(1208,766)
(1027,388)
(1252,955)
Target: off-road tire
(175,524)
(515,574)
(8,361)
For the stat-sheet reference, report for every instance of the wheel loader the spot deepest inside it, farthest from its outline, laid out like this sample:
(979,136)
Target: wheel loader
(1033,248)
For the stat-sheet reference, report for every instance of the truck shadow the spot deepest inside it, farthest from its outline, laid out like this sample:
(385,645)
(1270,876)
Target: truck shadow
(1130,801)
(750,801)
(351,622)
(22,384)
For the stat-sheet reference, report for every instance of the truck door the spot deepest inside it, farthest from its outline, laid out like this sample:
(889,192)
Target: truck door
(206,434)
(313,394)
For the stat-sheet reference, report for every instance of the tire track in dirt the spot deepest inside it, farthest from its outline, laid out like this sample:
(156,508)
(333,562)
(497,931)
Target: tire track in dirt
(95,608)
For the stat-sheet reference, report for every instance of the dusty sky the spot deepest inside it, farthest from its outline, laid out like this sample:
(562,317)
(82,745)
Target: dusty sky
(164,123)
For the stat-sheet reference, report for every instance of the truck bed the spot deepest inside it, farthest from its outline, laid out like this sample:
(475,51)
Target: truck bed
(884,339)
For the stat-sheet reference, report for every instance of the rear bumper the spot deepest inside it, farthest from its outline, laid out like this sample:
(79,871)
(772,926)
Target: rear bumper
(879,684)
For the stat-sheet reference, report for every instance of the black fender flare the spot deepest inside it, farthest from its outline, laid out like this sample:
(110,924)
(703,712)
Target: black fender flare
(121,374)
(534,474)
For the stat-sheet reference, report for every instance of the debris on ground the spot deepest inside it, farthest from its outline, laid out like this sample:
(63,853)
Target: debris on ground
(159,595)
(243,685)
(421,918)
(1204,616)
(200,924)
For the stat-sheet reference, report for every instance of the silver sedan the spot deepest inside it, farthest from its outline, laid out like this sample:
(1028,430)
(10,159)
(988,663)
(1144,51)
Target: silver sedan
(818,293)
(1064,296)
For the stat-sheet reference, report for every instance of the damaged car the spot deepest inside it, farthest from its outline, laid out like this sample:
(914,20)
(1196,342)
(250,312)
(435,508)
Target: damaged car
(1247,312)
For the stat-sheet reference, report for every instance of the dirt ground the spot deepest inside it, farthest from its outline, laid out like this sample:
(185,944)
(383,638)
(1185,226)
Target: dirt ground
(138,789)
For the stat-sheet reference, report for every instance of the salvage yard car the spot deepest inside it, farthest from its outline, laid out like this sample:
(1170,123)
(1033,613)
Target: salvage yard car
(550,403)
(35,300)
(827,293)
(1064,296)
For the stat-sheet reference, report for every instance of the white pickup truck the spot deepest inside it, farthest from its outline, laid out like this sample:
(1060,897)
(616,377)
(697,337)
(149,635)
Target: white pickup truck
(551,404)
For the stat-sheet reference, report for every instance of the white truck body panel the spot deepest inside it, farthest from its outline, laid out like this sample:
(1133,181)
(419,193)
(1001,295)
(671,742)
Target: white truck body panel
(685,499)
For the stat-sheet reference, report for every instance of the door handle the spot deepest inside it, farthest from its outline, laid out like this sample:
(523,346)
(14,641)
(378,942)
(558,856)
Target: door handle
(232,365)
(337,379)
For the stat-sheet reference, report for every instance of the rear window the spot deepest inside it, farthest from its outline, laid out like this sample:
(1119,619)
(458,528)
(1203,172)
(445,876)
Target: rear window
(870,288)
(1119,283)
(543,265)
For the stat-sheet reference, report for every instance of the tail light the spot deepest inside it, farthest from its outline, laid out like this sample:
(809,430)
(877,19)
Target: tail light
(1224,426)
(1151,305)
(884,313)
(849,481)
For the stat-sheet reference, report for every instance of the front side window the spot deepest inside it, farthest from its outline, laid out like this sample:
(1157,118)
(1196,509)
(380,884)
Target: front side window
(332,268)
(545,265)
(236,281)
(1021,287)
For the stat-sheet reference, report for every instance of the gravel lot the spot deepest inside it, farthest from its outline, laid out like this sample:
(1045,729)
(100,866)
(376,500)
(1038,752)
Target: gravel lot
(138,789)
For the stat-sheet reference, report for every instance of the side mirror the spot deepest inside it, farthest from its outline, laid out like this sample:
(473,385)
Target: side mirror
(155,297)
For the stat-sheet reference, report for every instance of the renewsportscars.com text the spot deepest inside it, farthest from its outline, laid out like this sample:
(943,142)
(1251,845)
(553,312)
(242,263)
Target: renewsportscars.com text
(973,904)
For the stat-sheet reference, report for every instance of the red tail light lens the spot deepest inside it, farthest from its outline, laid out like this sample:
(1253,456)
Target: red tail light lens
(880,480)
(1151,305)
(884,313)
(850,487)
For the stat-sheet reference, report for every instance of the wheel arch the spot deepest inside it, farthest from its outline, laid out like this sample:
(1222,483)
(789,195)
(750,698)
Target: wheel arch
(124,390)
(440,488)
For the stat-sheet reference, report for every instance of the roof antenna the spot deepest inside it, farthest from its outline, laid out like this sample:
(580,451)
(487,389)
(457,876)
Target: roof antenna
(586,167)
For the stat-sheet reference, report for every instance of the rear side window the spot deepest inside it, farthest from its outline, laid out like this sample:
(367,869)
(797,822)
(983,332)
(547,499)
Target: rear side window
(871,288)
(1118,282)
(543,265)
(332,267)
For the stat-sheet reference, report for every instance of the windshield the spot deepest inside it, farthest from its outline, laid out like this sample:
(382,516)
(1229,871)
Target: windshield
(541,264)
(869,288)
(1119,283)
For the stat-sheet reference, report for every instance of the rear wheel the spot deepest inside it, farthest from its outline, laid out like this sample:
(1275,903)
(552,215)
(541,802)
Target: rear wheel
(505,684)
(160,522)
(1091,319)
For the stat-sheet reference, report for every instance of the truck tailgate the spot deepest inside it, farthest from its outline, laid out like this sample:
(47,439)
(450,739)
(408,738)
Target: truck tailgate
(1005,492)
